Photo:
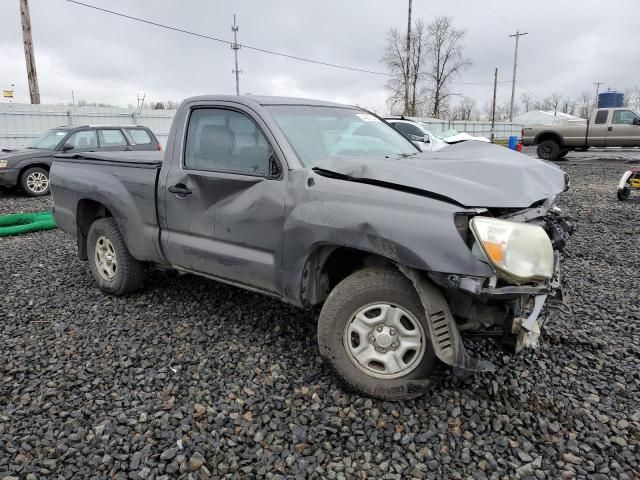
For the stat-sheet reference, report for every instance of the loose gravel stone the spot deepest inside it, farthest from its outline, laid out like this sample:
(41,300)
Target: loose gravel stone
(152,384)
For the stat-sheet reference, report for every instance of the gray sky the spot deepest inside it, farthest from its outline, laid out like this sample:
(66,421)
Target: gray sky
(570,45)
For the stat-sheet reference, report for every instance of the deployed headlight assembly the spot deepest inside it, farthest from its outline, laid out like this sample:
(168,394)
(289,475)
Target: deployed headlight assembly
(520,252)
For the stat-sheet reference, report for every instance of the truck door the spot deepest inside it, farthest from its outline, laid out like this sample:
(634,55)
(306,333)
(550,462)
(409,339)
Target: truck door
(622,132)
(598,129)
(224,202)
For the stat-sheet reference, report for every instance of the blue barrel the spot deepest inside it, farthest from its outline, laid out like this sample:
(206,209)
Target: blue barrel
(513,141)
(610,99)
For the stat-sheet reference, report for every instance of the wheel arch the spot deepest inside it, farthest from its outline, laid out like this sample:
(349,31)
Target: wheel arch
(549,135)
(27,166)
(87,212)
(328,265)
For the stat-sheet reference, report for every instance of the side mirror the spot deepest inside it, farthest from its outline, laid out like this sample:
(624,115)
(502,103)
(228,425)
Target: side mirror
(67,146)
(426,139)
(636,121)
(274,168)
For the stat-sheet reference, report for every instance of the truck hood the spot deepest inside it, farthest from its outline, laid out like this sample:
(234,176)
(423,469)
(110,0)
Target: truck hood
(472,174)
(17,155)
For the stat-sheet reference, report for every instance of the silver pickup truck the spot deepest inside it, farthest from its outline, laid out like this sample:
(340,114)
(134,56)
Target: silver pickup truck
(607,127)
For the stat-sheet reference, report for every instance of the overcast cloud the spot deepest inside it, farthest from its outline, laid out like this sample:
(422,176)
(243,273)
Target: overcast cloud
(570,45)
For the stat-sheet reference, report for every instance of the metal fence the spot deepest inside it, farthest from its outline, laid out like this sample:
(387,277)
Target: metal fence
(20,124)
(503,130)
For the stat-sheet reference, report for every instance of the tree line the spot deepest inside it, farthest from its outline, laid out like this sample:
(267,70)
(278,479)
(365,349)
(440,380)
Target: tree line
(437,59)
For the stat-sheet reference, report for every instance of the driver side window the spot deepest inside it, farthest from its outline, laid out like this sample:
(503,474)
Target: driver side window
(225,141)
(411,131)
(623,117)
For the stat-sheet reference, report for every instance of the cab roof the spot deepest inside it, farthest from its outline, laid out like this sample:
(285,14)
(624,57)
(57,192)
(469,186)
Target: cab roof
(267,100)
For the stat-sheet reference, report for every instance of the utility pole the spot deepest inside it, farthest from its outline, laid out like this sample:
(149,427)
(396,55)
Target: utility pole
(493,108)
(141,101)
(34,92)
(597,84)
(407,75)
(235,47)
(515,67)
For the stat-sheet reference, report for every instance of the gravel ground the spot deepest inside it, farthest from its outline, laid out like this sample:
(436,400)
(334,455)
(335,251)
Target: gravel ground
(193,379)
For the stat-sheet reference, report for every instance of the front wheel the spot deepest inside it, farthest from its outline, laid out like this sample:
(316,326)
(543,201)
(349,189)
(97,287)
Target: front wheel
(35,182)
(112,266)
(374,332)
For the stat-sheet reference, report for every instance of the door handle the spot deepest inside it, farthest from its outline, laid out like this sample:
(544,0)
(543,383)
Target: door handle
(609,129)
(180,190)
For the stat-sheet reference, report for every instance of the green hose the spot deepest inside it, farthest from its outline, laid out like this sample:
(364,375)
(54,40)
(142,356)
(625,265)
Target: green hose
(19,223)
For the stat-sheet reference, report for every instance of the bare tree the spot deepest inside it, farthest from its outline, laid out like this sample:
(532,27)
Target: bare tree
(395,60)
(447,61)
(464,110)
(525,99)
(632,97)
(584,102)
(568,105)
(555,102)
(502,111)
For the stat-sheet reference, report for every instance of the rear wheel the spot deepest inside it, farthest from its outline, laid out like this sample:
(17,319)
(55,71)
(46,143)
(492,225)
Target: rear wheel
(548,150)
(112,266)
(374,332)
(35,182)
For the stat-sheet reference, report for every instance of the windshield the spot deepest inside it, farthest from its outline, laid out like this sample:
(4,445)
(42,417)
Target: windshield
(49,140)
(438,133)
(318,133)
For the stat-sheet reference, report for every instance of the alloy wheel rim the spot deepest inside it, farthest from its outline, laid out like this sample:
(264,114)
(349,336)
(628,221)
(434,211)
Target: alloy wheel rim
(37,182)
(105,258)
(384,341)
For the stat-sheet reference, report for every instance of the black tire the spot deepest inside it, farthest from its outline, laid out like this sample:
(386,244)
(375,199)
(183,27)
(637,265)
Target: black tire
(624,193)
(34,182)
(361,289)
(548,150)
(127,273)
(563,154)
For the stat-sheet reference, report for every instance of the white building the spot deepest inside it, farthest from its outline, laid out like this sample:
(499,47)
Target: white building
(546,117)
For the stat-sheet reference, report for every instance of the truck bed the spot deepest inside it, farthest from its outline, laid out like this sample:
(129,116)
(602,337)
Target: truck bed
(125,182)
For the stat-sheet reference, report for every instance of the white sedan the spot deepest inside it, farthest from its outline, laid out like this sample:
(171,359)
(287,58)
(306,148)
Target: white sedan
(427,140)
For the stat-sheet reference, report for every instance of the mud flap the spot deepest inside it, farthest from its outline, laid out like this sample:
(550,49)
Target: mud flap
(443,329)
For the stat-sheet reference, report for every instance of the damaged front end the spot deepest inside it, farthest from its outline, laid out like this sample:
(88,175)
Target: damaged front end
(525,249)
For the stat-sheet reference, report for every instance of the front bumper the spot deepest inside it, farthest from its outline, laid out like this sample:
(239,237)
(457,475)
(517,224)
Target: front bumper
(9,177)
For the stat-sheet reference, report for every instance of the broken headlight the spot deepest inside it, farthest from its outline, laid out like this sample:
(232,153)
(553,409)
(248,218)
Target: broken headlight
(520,252)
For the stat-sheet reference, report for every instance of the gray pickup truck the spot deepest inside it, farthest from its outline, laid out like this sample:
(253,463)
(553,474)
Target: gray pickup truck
(607,127)
(317,203)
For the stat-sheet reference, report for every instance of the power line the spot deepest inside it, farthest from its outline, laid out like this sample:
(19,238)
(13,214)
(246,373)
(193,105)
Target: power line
(479,83)
(529,91)
(215,39)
